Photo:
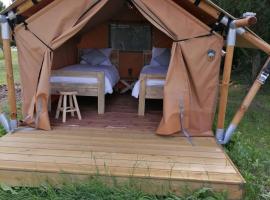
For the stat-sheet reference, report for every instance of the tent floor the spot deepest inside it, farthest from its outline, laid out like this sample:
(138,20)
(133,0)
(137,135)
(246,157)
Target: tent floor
(156,164)
(120,112)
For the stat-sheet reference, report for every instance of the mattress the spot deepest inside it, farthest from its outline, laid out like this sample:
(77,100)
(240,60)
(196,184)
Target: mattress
(148,69)
(110,72)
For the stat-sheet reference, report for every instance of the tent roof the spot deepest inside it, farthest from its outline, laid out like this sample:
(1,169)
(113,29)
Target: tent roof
(26,5)
(27,8)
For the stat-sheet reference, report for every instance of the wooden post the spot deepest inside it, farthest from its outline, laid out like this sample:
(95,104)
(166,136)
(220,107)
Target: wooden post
(101,93)
(26,5)
(264,74)
(142,93)
(225,84)
(247,21)
(257,42)
(9,71)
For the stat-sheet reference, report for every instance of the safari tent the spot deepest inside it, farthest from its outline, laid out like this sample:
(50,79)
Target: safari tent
(143,76)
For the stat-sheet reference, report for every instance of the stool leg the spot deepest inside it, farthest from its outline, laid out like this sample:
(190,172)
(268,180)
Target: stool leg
(77,107)
(65,109)
(59,107)
(71,105)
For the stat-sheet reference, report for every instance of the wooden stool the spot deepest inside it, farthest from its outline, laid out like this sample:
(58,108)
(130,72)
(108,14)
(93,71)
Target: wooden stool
(72,108)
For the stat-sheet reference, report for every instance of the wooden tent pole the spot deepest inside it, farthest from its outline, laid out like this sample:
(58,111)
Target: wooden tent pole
(257,42)
(26,5)
(225,84)
(245,34)
(261,79)
(231,41)
(10,80)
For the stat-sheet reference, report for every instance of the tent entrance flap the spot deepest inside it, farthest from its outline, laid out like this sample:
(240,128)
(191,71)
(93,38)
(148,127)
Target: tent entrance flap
(196,78)
(54,34)
(191,74)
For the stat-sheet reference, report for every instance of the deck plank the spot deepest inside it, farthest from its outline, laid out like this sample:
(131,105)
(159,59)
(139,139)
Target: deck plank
(36,149)
(30,157)
(123,147)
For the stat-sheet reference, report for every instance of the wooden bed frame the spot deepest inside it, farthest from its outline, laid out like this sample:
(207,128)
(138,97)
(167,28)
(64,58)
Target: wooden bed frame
(148,92)
(96,90)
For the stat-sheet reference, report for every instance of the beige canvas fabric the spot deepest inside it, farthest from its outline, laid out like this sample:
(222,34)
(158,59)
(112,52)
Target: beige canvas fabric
(192,77)
(54,25)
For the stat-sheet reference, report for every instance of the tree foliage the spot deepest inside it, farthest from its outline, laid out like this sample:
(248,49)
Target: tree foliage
(237,8)
(2,6)
(247,59)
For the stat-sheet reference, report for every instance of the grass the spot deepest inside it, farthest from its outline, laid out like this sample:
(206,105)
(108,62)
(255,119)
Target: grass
(15,68)
(96,189)
(249,149)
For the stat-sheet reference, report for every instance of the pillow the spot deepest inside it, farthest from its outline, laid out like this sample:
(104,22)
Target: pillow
(96,56)
(163,60)
(83,62)
(107,52)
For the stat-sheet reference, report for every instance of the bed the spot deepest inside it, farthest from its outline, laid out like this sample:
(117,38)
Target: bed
(152,78)
(88,79)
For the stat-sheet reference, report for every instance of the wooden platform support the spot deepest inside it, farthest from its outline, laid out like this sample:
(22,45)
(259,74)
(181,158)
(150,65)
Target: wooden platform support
(156,164)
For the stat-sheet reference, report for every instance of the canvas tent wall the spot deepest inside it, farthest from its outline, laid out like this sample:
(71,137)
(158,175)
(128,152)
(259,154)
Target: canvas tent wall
(199,77)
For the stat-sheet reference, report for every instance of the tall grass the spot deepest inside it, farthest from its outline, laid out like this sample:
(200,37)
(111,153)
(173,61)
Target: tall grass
(15,67)
(250,148)
(95,189)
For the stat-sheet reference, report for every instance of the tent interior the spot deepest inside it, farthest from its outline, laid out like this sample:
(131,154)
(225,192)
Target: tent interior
(138,36)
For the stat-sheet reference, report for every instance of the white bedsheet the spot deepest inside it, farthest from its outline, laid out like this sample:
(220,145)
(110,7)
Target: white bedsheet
(111,76)
(151,82)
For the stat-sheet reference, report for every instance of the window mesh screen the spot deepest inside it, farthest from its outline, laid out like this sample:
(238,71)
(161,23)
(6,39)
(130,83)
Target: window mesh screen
(130,37)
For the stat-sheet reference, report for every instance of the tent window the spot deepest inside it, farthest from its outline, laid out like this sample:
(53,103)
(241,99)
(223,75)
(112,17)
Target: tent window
(130,37)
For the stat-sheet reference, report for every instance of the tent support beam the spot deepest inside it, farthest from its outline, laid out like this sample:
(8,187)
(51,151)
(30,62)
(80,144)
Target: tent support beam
(231,39)
(234,28)
(252,39)
(261,79)
(9,71)
(26,5)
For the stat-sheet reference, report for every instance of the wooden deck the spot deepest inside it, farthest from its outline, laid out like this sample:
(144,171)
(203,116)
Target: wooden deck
(156,164)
